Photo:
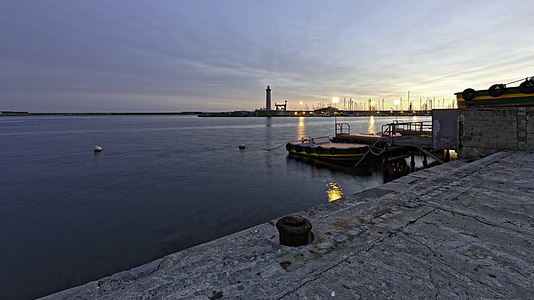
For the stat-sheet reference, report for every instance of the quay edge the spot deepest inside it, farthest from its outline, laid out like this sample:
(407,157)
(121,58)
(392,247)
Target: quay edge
(458,230)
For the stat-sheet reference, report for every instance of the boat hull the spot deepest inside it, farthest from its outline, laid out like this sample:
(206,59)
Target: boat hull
(511,97)
(331,153)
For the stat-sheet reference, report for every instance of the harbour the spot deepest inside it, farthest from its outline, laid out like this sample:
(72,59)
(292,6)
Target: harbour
(155,188)
(387,148)
(458,230)
(462,229)
(266,150)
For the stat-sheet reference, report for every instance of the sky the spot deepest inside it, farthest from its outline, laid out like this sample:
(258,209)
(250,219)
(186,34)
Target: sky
(181,55)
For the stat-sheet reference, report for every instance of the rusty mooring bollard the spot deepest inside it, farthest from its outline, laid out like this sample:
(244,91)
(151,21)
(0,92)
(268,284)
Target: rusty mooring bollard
(294,231)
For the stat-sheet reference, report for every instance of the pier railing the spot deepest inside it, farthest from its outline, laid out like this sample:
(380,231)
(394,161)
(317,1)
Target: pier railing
(407,128)
(409,134)
(342,128)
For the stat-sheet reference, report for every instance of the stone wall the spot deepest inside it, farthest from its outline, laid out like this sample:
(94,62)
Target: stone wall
(483,131)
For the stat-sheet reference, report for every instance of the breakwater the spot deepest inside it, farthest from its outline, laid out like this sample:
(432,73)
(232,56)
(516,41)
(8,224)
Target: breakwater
(458,230)
(25,113)
(240,113)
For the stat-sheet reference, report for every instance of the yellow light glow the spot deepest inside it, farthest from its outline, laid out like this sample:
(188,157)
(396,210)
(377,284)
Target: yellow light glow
(396,102)
(333,191)
(335,100)
(371,128)
(301,103)
(301,128)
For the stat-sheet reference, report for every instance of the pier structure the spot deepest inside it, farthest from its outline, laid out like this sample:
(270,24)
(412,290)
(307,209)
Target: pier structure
(399,140)
(282,107)
(10,113)
(472,132)
(483,131)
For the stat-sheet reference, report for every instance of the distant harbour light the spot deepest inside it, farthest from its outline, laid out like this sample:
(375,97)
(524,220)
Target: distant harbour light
(335,100)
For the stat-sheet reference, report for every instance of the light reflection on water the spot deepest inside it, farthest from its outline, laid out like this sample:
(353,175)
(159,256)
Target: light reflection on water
(333,191)
(301,128)
(371,129)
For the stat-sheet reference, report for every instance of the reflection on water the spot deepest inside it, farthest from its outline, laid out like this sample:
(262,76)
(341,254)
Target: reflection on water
(371,129)
(268,137)
(395,169)
(268,122)
(301,128)
(389,171)
(365,168)
(333,191)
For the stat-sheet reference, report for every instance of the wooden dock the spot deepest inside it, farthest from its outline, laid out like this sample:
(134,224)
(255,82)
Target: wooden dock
(398,140)
(418,141)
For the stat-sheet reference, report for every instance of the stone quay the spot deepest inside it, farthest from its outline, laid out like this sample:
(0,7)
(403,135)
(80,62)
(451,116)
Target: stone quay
(458,230)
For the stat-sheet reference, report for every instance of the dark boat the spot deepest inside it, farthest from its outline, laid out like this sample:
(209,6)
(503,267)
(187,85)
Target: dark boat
(324,149)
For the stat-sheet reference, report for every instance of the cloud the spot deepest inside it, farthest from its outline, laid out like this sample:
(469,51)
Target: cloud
(206,55)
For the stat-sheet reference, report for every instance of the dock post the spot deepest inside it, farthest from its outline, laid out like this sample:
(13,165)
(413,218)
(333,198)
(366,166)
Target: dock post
(385,161)
(447,155)
(412,160)
(386,157)
(294,231)
(425,162)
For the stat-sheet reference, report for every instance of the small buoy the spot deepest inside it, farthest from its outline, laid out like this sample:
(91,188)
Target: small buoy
(242,146)
(97,148)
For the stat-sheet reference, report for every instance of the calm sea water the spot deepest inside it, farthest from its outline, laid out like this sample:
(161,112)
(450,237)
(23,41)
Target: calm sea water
(162,184)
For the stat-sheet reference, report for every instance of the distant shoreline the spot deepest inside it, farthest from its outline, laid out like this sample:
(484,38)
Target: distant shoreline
(340,113)
(25,113)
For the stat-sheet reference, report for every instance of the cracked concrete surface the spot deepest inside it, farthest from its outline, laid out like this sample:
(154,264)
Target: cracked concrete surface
(459,230)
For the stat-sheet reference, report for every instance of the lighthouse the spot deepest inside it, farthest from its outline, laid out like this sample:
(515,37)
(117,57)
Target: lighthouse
(268,99)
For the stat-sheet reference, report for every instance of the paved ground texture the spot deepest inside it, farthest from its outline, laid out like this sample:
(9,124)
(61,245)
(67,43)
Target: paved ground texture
(459,230)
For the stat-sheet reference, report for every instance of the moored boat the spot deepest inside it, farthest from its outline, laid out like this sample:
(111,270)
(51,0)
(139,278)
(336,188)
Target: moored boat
(498,95)
(323,148)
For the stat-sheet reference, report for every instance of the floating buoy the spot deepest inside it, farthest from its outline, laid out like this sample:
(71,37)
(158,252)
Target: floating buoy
(242,146)
(97,148)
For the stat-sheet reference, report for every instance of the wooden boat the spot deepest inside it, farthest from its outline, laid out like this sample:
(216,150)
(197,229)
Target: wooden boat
(498,95)
(324,149)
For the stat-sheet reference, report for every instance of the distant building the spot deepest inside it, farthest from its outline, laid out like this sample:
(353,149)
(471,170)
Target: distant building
(326,111)
(281,109)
